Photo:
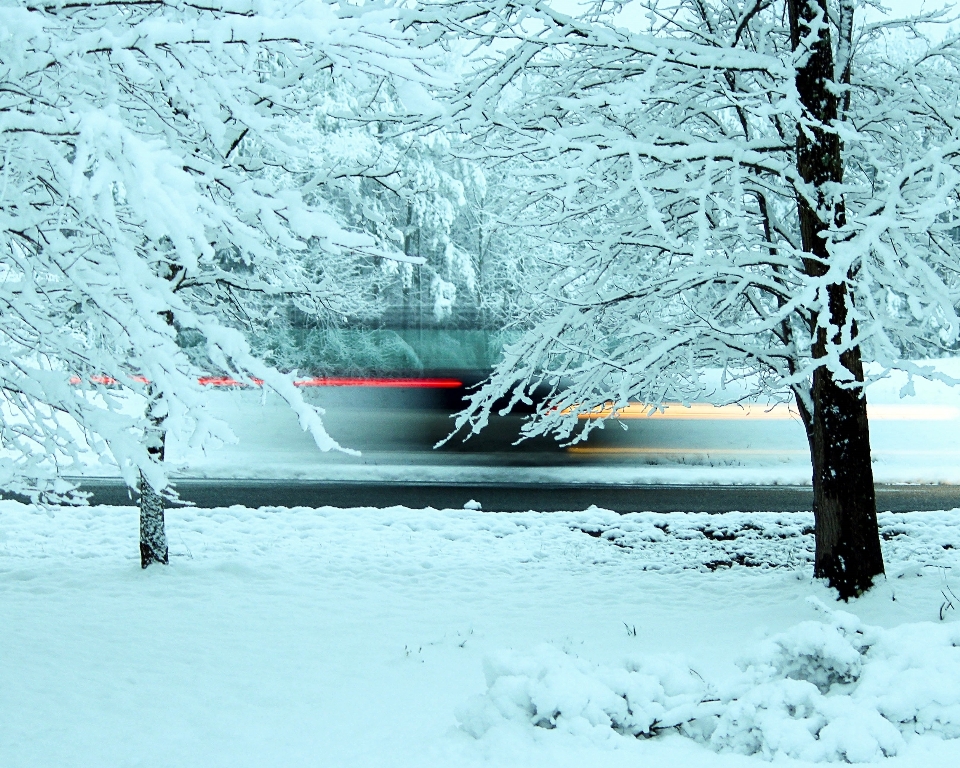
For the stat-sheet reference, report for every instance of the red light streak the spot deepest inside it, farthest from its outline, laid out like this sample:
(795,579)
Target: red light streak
(356,382)
(227,381)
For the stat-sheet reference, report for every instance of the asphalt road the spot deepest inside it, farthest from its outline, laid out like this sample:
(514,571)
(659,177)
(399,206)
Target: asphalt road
(521,497)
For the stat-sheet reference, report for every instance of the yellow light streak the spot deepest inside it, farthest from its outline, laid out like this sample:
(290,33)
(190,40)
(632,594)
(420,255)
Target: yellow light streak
(757,412)
(636,450)
(696,411)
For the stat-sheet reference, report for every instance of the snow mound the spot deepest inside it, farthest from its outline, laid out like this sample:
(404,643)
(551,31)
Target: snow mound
(793,718)
(824,653)
(552,689)
(833,690)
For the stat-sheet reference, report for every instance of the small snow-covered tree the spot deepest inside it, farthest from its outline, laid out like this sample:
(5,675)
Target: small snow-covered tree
(150,169)
(752,185)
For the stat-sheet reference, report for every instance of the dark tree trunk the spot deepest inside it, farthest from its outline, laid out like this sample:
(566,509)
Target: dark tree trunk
(153,532)
(845,507)
(844,503)
(153,529)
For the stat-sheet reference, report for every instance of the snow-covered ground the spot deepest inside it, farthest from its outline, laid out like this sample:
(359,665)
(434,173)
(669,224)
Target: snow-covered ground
(396,637)
(447,638)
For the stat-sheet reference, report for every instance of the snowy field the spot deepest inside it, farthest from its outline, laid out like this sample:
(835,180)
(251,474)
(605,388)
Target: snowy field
(447,638)
(396,637)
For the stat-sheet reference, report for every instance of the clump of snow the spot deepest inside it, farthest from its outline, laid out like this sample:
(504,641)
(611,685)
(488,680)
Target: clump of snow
(823,653)
(912,677)
(552,689)
(792,718)
(833,690)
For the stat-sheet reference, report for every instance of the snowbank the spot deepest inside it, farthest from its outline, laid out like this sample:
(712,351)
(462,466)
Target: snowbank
(834,690)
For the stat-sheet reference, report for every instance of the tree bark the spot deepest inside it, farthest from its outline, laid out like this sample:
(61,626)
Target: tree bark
(153,534)
(848,552)
(844,505)
(153,527)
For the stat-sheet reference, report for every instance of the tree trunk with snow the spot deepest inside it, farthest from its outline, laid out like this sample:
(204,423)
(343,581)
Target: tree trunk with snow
(153,527)
(844,503)
(844,506)
(153,532)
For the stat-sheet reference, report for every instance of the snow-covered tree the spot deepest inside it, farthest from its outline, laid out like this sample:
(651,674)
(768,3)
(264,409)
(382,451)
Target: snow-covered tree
(768,187)
(152,169)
